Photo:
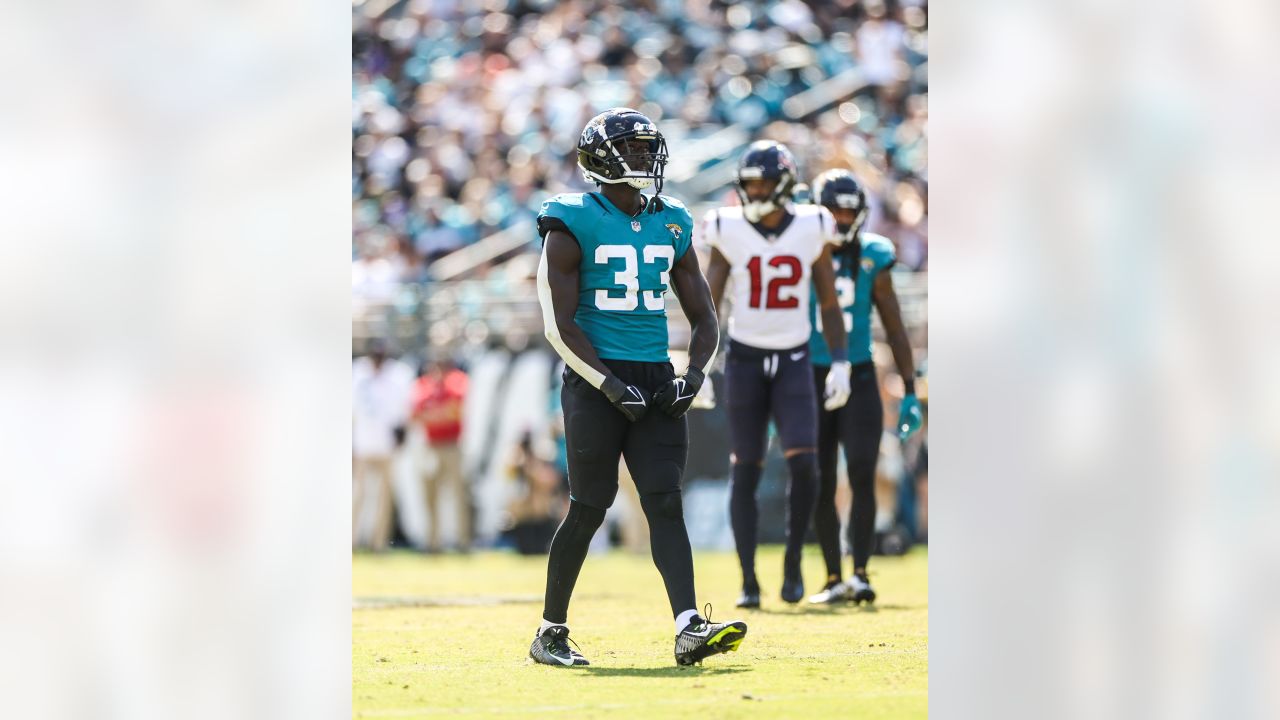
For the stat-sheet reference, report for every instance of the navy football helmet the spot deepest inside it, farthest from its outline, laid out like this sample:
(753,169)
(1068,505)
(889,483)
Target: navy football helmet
(621,145)
(766,160)
(838,189)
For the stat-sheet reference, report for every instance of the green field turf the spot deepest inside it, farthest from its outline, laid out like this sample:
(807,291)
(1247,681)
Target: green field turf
(449,635)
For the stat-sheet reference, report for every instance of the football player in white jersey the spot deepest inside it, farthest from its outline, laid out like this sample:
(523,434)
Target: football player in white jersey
(772,249)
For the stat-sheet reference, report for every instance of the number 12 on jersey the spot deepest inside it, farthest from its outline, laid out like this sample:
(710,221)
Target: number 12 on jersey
(629,276)
(787,271)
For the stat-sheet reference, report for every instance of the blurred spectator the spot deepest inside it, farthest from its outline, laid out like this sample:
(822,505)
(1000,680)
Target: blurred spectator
(438,398)
(538,505)
(556,410)
(880,46)
(380,408)
(628,514)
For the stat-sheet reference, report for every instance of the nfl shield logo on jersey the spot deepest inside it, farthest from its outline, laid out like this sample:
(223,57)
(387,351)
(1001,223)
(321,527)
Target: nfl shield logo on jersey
(635,225)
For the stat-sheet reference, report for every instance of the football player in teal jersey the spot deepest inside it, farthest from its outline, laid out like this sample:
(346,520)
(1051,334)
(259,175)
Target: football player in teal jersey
(608,259)
(862,280)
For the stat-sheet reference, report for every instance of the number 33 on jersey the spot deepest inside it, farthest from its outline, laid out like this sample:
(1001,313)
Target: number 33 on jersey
(770,276)
(625,270)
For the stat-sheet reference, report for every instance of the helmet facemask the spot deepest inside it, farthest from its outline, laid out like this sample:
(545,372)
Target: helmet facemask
(754,210)
(837,191)
(637,158)
(849,201)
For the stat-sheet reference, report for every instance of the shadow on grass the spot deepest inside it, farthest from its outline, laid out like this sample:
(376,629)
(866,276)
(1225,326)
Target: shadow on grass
(664,672)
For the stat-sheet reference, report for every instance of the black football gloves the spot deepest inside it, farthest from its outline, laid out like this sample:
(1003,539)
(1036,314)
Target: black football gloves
(629,399)
(677,395)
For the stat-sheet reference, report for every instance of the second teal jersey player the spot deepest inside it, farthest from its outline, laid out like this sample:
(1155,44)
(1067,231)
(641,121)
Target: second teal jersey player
(863,281)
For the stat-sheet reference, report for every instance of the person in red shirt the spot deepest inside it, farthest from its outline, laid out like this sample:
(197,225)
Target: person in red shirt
(438,398)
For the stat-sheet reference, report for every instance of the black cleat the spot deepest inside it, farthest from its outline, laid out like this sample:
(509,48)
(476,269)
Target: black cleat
(861,589)
(750,597)
(551,647)
(703,638)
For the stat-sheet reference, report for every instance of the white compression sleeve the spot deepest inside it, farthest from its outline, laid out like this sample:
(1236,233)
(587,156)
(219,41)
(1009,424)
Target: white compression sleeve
(706,368)
(552,331)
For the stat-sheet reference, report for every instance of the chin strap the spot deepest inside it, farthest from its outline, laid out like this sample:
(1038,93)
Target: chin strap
(759,209)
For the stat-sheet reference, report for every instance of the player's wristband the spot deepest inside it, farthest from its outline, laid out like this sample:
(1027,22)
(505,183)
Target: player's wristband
(613,388)
(840,355)
(695,373)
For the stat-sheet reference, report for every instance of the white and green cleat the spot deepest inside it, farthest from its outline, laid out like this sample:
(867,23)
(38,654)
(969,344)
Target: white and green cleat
(703,638)
(551,647)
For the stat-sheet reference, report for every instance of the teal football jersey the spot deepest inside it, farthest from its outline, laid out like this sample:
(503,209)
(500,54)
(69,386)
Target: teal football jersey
(625,271)
(854,288)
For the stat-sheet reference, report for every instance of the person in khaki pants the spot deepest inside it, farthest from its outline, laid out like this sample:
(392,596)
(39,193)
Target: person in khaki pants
(438,398)
(380,408)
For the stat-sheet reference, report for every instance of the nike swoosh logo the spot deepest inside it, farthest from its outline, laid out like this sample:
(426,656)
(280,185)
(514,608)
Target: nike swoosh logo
(797,356)
(546,650)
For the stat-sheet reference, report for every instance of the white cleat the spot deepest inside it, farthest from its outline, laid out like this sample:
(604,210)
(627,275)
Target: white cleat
(838,593)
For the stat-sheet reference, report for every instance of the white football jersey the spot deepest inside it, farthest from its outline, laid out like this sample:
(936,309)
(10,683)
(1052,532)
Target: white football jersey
(770,278)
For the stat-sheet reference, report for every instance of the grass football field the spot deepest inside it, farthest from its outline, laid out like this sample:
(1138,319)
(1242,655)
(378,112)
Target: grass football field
(435,636)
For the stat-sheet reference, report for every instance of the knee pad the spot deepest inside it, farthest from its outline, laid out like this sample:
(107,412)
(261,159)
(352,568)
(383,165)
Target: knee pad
(663,505)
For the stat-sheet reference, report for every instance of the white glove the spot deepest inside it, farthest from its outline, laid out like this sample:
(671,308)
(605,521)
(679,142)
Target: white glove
(706,397)
(837,392)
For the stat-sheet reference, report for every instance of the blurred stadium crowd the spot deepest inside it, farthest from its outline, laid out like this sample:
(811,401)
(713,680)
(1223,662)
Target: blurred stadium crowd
(465,114)
(465,117)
